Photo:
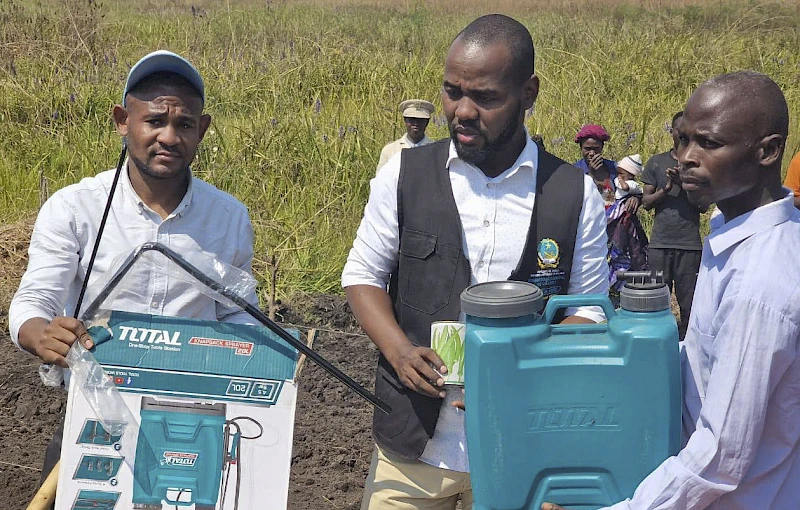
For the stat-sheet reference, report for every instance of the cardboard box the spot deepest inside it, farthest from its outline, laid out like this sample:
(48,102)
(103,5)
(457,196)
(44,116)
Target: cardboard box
(214,407)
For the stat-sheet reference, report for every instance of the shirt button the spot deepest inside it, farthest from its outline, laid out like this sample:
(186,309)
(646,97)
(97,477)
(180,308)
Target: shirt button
(480,264)
(490,185)
(485,223)
(154,304)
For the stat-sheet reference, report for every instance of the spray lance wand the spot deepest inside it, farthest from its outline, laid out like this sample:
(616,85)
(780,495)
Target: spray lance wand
(213,284)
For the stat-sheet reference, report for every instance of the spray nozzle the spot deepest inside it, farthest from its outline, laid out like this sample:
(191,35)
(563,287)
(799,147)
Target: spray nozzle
(641,279)
(644,291)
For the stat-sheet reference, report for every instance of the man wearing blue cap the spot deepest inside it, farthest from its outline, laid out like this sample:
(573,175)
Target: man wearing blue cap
(161,121)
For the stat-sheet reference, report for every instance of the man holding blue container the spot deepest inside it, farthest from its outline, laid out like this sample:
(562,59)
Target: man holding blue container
(741,376)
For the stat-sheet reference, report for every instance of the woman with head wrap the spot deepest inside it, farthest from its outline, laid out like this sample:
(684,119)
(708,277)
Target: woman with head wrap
(592,138)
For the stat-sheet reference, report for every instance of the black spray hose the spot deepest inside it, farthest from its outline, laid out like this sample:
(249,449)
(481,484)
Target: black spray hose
(122,154)
(241,302)
(233,423)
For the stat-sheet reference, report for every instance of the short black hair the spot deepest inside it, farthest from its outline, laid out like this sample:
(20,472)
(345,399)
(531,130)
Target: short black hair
(497,28)
(164,78)
(675,118)
(758,91)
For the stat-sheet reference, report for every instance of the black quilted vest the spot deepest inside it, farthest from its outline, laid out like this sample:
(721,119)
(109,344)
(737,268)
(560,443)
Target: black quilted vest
(433,271)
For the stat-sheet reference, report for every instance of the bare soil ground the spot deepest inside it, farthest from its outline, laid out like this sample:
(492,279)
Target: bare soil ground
(332,436)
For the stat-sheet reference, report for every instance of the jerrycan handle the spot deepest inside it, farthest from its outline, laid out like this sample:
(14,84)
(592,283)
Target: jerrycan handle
(559,301)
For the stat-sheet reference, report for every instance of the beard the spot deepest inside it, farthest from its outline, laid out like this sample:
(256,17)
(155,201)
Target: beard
(150,172)
(479,155)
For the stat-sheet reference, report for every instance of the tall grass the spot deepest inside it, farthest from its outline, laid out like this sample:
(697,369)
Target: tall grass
(304,94)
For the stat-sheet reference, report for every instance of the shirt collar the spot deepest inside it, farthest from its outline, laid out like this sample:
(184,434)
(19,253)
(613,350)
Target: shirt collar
(410,143)
(186,201)
(740,228)
(528,158)
(127,187)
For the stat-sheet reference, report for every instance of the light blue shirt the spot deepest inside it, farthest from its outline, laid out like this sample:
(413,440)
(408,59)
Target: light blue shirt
(741,373)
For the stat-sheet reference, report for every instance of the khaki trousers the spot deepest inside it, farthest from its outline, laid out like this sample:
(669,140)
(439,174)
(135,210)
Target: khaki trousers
(395,483)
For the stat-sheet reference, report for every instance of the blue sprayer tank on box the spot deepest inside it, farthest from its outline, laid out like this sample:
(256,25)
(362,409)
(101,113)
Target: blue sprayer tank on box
(576,415)
(185,464)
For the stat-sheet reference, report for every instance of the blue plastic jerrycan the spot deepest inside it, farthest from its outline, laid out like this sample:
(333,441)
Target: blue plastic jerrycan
(576,415)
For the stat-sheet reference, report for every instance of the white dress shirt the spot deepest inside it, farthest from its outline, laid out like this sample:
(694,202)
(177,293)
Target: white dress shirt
(741,374)
(206,219)
(495,216)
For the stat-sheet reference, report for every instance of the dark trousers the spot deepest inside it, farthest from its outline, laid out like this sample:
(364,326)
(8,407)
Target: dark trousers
(680,273)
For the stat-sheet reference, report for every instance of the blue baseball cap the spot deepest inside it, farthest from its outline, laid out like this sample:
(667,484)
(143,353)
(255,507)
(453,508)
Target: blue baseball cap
(164,61)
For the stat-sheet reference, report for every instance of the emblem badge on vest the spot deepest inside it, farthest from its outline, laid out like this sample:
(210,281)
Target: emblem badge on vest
(548,253)
(548,278)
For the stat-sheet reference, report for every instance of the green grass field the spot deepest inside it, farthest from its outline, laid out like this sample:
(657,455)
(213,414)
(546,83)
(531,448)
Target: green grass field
(304,94)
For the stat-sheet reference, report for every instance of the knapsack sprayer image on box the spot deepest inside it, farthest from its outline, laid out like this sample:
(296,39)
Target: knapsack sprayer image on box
(95,500)
(185,473)
(94,433)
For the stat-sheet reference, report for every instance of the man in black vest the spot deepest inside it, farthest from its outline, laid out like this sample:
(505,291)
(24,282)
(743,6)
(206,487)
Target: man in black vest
(454,213)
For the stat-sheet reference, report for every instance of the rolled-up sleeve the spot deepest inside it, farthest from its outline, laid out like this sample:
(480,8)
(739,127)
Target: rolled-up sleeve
(589,263)
(759,347)
(53,258)
(374,254)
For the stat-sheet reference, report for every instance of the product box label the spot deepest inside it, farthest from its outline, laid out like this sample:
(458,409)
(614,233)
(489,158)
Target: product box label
(211,401)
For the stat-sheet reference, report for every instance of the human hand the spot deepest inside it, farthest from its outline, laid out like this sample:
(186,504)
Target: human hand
(673,178)
(551,506)
(414,367)
(632,204)
(595,161)
(51,341)
(459,404)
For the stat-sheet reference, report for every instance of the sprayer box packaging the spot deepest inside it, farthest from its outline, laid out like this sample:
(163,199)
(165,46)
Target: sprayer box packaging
(213,411)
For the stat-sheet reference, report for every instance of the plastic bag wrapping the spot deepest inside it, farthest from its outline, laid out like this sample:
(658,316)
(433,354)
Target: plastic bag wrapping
(136,277)
(110,410)
(51,375)
(141,270)
(146,274)
(99,390)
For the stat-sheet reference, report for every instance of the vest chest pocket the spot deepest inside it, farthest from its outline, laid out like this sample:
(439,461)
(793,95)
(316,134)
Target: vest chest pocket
(426,270)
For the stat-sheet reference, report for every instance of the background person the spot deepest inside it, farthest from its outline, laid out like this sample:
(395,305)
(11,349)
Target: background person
(675,245)
(741,366)
(429,249)
(627,170)
(416,115)
(591,139)
(157,199)
(792,180)
(627,240)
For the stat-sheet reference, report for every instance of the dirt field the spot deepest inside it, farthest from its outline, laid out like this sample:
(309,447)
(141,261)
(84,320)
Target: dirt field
(332,441)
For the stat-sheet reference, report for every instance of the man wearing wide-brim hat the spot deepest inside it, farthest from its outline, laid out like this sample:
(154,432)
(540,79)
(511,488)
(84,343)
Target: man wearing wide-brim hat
(416,114)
